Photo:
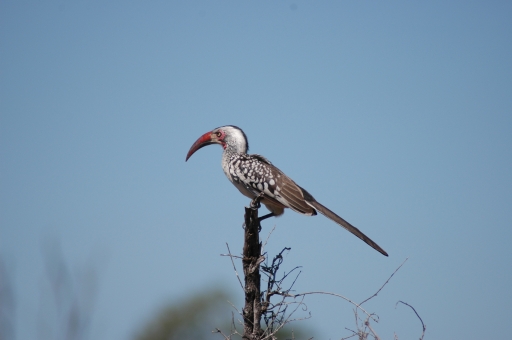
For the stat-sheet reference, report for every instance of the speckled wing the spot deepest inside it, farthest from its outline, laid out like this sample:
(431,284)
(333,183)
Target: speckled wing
(259,175)
(290,194)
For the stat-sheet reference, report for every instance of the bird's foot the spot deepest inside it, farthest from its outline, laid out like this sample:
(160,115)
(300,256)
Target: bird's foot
(255,203)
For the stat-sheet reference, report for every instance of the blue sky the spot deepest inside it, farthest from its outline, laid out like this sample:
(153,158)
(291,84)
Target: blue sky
(396,115)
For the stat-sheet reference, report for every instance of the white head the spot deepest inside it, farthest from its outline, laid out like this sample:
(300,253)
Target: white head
(230,137)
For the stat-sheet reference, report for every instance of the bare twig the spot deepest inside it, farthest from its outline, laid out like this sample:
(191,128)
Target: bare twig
(234,307)
(274,314)
(226,337)
(354,333)
(285,321)
(233,256)
(268,237)
(233,330)
(422,324)
(344,298)
(367,324)
(385,283)
(236,272)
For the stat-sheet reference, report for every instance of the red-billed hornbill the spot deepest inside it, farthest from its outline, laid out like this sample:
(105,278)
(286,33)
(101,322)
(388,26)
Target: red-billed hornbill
(254,175)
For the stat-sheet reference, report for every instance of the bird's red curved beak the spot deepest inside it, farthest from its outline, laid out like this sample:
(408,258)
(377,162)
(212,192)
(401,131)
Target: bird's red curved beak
(204,140)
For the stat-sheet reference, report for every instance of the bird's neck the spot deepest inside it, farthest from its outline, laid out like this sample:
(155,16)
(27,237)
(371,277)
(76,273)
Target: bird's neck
(232,151)
(227,156)
(229,152)
(235,147)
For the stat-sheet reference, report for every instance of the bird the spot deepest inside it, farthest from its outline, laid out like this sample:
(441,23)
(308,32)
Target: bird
(254,175)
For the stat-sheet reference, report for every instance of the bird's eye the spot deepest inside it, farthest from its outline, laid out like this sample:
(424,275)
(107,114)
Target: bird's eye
(218,133)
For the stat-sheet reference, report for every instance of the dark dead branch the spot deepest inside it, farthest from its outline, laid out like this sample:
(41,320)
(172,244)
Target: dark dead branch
(252,259)
(422,324)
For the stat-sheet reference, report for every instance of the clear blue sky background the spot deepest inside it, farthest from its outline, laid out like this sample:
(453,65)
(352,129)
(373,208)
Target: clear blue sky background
(395,114)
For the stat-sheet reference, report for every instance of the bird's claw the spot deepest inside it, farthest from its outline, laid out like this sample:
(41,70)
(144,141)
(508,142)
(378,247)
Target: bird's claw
(255,203)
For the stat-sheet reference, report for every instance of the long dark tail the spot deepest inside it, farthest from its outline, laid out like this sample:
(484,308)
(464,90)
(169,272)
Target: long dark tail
(331,215)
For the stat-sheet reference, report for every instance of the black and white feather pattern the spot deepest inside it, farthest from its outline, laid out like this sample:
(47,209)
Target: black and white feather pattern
(257,175)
